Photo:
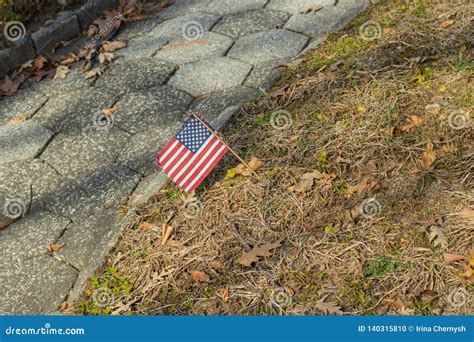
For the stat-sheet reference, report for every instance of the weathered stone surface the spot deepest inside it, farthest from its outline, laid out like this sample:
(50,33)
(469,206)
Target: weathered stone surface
(185,7)
(148,187)
(25,103)
(91,193)
(75,80)
(223,7)
(138,29)
(267,46)
(16,55)
(46,38)
(298,6)
(210,75)
(141,47)
(34,286)
(88,240)
(75,111)
(139,154)
(263,76)
(188,27)
(210,45)
(36,232)
(212,106)
(328,19)
(22,141)
(76,154)
(156,107)
(134,75)
(242,24)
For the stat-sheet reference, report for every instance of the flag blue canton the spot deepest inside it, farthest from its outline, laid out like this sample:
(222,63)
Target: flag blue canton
(193,135)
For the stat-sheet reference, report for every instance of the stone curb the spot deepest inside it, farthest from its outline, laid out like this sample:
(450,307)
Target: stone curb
(63,28)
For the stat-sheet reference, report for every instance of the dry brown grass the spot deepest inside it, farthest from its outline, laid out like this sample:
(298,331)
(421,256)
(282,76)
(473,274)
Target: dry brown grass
(340,116)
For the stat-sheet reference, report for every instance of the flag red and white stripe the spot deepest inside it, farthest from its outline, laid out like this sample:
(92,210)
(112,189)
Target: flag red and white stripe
(191,155)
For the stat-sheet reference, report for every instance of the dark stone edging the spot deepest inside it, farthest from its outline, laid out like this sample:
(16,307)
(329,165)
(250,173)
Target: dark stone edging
(44,40)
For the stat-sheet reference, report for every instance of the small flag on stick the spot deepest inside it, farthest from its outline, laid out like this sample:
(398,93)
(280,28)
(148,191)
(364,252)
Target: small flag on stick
(192,153)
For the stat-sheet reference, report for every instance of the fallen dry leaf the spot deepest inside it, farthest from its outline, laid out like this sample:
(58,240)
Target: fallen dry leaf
(243,170)
(108,111)
(307,180)
(61,72)
(413,122)
(363,186)
(446,23)
(467,213)
(106,57)
(329,308)
(145,226)
(257,252)
(427,159)
(17,119)
(224,294)
(93,72)
(64,306)
(433,109)
(437,237)
(54,247)
(165,234)
(113,46)
(200,276)
(450,258)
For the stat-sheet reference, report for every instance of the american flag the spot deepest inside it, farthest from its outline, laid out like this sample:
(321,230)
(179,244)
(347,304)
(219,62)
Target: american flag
(191,154)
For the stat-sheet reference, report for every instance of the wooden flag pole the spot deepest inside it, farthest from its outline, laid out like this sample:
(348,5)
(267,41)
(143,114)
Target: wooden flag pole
(225,144)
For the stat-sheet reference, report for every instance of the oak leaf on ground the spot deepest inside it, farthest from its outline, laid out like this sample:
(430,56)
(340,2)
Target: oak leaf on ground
(258,252)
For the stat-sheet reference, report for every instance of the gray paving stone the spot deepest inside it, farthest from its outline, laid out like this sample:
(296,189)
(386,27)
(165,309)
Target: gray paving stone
(242,24)
(134,75)
(141,47)
(75,111)
(88,240)
(188,27)
(46,38)
(156,107)
(77,154)
(263,76)
(328,19)
(75,80)
(223,7)
(210,45)
(22,141)
(30,237)
(184,7)
(94,9)
(34,286)
(210,75)
(25,103)
(139,154)
(213,105)
(91,193)
(150,186)
(138,29)
(267,46)
(298,6)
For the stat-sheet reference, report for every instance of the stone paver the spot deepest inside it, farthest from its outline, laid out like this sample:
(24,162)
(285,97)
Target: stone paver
(209,45)
(69,169)
(266,46)
(299,6)
(210,75)
(242,24)
(22,141)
